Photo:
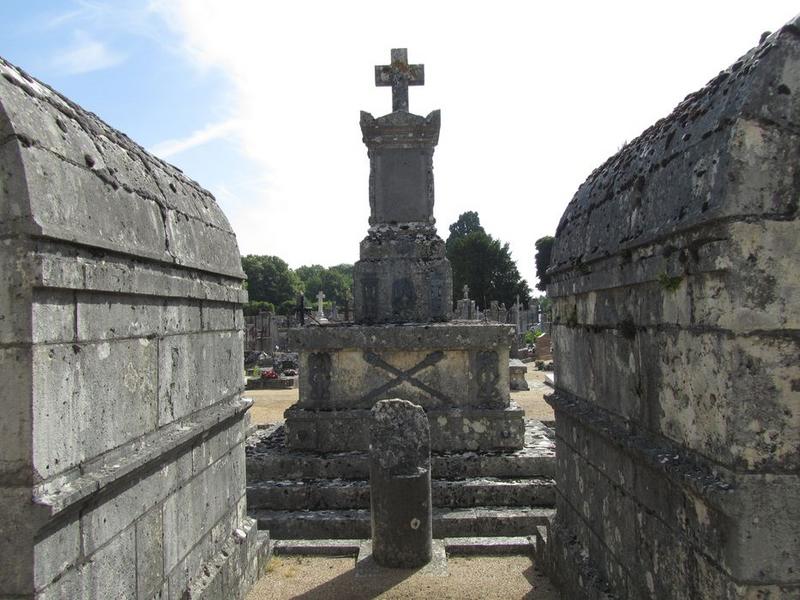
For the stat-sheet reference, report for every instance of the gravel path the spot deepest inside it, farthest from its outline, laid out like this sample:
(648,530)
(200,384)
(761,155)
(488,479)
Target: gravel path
(468,578)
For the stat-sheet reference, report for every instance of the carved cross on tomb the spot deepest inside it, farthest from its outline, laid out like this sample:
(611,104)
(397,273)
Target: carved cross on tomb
(399,75)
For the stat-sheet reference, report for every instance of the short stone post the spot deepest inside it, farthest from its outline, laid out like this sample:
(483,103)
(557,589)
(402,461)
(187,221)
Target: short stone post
(400,485)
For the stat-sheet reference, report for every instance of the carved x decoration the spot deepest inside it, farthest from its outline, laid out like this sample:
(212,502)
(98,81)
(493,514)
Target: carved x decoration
(408,376)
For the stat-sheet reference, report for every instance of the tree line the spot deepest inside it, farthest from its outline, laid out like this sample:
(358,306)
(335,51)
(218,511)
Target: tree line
(478,260)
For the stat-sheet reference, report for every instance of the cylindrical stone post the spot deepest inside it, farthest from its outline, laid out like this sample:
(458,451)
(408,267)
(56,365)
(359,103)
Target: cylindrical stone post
(400,485)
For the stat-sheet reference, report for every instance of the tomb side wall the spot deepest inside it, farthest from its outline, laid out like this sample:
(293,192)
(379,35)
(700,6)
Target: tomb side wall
(122,471)
(676,293)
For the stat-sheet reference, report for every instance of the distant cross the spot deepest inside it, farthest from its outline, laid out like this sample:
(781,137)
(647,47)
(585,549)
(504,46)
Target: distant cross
(320,298)
(466,292)
(399,75)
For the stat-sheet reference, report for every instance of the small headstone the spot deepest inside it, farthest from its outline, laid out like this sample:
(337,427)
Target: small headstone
(400,485)
(516,375)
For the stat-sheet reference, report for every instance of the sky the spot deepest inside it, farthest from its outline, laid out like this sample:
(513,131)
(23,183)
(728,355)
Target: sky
(258,101)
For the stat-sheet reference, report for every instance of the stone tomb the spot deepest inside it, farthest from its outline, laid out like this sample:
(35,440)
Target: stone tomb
(676,303)
(402,344)
(309,479)
(122,467)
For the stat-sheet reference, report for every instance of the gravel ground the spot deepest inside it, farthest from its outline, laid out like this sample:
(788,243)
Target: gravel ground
(269,405)
(468,578)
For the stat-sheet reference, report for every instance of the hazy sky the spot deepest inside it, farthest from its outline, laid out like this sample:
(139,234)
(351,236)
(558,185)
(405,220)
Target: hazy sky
(259,101)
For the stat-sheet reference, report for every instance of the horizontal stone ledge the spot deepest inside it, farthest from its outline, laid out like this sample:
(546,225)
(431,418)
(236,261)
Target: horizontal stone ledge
(64,491)
(779,334)
(718,485)
(590,270)
(412,336)
(66,266)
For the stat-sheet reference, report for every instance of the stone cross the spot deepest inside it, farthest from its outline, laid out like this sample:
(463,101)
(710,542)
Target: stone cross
(320,298)
(399,75)
(320,313)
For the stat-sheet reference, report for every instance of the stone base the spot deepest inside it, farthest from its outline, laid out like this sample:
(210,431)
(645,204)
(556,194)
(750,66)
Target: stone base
(451,430)
(304,494)
(234,570)
(367,567)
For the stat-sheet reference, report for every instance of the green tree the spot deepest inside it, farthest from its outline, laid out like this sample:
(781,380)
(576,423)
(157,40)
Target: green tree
(335,282)
(485,265)
(468,222)
(269,279)
(544,251)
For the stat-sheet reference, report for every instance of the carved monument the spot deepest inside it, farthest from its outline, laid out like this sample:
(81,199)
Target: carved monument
(403,344)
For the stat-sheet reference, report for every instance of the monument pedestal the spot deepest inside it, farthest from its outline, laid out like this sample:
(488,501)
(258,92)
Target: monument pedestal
(457,372)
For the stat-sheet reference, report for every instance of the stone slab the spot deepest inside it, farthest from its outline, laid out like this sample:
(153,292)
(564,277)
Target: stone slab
(354,524)
(451,430)
(268,457)
(455,335)
(489,546)
(367,567)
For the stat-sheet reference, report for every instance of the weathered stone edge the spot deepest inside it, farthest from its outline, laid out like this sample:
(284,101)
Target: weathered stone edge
(689,470)
(56,267)
(414,335)
(62,492)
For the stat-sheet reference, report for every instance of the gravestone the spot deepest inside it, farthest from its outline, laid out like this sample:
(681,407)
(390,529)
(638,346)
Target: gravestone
(465,310)
(122,467)
(543,349)
(675,282)
(402,344)
(400,485)
(320,316)
(517,370)
(491,470)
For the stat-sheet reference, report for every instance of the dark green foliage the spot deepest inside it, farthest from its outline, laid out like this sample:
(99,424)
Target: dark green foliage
(483,263)
(544,250)
(335,282)
(270,279)
(468,222)
(270,282)
(257,306)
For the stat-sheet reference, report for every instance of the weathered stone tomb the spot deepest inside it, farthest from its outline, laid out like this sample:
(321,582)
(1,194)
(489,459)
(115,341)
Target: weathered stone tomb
(402,344)
(122,467)
(491,470)
(676,287)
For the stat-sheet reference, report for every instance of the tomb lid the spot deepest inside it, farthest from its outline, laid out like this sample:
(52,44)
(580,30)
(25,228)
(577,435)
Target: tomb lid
(68,176)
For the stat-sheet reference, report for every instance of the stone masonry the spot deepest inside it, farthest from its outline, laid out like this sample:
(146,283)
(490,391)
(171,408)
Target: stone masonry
(122,468)
(402,344)
(676,287)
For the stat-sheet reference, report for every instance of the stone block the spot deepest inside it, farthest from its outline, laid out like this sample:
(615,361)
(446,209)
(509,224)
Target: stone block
(197,370)
(104,521)
(52,317)
(16,440)
(451,430)
(85,205)
(56,552)
(219,317)
(107,574)
(150,554)
(104,393)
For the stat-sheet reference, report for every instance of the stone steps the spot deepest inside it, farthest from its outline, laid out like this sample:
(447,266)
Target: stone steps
(447,523)
(454,546)
(326,494)
(268,458)
(301,494)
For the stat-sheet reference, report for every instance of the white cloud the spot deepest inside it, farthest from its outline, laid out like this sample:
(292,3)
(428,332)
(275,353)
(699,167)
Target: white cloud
(533,97)
(85,55)
(210,132)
